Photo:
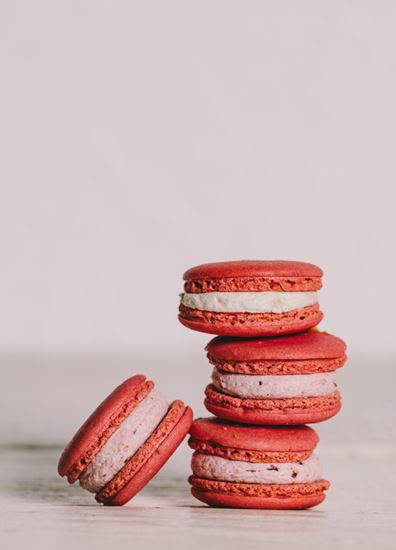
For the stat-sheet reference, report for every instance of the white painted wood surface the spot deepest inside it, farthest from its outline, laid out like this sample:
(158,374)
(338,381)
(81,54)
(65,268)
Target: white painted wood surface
(40,510)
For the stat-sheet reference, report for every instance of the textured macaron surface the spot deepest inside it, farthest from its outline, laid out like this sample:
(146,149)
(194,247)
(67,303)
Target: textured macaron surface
(245,455)
(285,404)
(280,411)
(244,324)
(251,275)
(252,268)
(282,490)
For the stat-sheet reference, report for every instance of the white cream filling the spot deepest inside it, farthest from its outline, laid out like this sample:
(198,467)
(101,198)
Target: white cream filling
(221,469)
(124,442)
(275,386)
(249,302)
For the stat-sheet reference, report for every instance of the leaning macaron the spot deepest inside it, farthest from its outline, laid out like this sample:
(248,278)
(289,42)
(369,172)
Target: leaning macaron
(125,441)
(283,380)
(243,466)
(251,298)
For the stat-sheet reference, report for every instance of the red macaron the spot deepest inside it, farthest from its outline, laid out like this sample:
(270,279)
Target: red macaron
(125,441)
(243,466)
(251,298)
(283,380)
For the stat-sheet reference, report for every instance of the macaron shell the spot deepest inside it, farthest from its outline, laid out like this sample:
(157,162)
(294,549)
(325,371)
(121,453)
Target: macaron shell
(251,325)
(100,425)
(256,416)
(157,454)
(279,367)
(254,438)
(255,495)
(253,268)
(305,346)
(293,411)
(223,500)
(254,284)
(230,453)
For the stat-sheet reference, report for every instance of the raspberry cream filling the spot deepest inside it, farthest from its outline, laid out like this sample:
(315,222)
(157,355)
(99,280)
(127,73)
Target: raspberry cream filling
(221,469)
(124,442)
(249,302)
(275,386)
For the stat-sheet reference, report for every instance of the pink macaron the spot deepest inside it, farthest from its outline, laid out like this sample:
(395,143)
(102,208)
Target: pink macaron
(125,441)
(243,466)
(283,380)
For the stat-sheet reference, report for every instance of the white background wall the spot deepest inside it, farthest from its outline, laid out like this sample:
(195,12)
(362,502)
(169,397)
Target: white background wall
(140,138)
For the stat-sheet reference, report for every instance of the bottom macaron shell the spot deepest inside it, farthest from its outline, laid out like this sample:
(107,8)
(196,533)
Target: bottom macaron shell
(249,416)
(264,503)
(307,410)
(158,456)
(252,495)
(251,324)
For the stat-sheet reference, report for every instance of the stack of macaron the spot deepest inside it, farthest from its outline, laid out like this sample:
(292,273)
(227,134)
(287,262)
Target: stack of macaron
(273,371)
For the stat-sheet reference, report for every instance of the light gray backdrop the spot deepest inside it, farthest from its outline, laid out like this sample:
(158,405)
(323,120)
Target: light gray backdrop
(140,138)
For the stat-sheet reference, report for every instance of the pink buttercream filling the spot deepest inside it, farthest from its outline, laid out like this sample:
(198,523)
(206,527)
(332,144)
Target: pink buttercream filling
(221,469)
(275,386)
(124,442)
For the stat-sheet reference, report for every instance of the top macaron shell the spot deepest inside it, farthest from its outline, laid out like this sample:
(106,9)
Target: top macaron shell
(254,438)
(304,346)
(253,268)
(251,298)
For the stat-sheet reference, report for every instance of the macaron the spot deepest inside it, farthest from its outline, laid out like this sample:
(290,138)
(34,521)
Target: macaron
(283,380)
(243,466)
(125,441)
(251,298)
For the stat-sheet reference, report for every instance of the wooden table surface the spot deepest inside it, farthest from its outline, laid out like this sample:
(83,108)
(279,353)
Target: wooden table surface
(40,510)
